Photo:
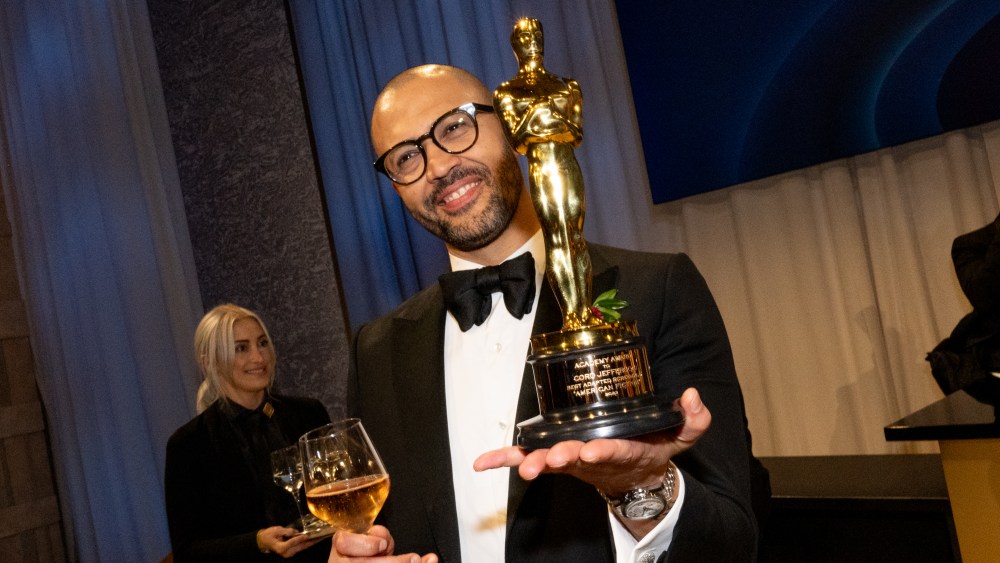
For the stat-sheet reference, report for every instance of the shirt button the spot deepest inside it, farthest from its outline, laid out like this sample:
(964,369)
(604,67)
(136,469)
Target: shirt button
(498,346)
(648,557)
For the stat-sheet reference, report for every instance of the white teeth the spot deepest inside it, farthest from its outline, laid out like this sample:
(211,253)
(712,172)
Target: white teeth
(459,192)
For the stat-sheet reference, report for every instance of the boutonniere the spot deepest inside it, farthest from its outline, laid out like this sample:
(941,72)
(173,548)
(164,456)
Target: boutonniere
(607,305)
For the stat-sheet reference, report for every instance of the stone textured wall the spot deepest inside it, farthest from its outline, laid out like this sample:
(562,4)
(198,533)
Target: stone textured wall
(250,183)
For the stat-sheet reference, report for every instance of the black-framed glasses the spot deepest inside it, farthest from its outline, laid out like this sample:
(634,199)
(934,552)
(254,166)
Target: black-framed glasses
(454,132)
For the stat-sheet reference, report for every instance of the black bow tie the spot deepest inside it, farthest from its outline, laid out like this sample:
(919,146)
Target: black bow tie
(468,294)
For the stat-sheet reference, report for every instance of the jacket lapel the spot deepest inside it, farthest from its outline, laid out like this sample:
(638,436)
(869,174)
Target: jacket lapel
(418,376)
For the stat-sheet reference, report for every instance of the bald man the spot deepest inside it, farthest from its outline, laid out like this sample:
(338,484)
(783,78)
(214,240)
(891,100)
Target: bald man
(440,399)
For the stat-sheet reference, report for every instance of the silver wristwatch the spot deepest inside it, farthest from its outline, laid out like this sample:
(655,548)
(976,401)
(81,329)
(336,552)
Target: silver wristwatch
(644,503)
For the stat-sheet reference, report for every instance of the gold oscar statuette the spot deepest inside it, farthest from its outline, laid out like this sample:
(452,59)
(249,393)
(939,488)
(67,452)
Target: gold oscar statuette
(592,377)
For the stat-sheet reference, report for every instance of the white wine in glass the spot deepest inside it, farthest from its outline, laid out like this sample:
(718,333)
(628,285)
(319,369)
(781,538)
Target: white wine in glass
(286,465)
(345,481)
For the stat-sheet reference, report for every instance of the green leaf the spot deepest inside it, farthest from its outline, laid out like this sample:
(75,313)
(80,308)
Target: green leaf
(609,294)
(609,314)
(612,304)
(608,304)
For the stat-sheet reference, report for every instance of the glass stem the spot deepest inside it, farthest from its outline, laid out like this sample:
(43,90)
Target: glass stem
(298,506)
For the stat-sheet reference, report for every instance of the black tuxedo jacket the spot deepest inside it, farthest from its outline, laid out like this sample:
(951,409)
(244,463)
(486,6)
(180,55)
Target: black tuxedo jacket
(397,387)
(214,506)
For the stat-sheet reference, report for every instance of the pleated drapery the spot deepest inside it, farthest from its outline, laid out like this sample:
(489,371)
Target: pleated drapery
(836,280)
(104,260)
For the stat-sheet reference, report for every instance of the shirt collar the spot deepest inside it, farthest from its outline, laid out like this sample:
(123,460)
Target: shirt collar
(235,411)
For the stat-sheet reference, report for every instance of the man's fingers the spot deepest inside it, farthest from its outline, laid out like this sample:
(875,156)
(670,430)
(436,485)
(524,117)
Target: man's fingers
(563,454)
(359,545)
(504,457)
(604,449)
(697,419)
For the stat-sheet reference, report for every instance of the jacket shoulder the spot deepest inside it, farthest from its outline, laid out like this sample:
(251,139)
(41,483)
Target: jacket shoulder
(299,402)
(194,436)
(301,414)
(636,264)
(427,301)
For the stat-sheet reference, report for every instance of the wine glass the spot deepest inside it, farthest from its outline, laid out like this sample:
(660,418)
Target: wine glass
(286,465)
(345,481)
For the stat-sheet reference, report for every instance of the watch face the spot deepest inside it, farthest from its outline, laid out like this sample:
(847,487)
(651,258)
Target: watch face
(649,507)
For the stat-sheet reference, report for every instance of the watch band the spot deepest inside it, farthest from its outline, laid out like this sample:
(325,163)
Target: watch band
(643,503)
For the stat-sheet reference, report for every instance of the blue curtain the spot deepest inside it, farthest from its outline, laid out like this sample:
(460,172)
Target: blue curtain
(350,48)
(103,255)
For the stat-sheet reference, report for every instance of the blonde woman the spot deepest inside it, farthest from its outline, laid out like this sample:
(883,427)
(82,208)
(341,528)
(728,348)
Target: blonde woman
(222,502)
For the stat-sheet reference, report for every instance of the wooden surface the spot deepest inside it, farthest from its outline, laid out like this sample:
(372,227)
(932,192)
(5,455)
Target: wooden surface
(30,526)
(972,471)
(965,424)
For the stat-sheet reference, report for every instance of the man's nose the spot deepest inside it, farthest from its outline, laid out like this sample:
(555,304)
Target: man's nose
(439,162)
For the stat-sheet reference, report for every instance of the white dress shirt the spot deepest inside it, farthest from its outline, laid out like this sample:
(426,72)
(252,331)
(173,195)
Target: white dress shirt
(482,370)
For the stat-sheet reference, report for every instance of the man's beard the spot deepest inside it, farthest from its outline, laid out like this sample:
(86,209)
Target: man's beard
(504,195)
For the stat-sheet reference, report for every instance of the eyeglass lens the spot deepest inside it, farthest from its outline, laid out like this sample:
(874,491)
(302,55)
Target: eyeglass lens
(454,132)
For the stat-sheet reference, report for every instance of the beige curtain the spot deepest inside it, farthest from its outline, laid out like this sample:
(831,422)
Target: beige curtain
(836,280)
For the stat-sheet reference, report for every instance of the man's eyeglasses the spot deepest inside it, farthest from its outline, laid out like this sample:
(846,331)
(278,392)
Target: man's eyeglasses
(454,132)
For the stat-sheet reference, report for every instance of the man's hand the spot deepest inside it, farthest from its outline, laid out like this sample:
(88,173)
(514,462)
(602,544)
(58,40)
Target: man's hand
(375,546)
(612,465)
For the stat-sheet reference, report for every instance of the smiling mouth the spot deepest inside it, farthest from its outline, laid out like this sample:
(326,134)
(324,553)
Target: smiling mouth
(459,192)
